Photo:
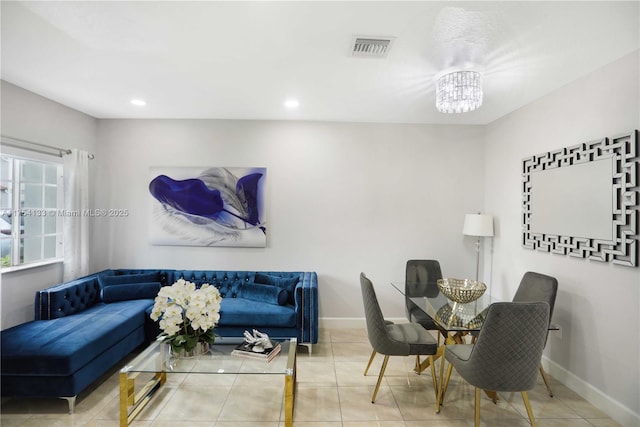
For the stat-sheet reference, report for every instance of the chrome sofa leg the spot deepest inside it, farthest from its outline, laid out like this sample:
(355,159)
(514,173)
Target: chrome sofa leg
(309,347)
(71,401)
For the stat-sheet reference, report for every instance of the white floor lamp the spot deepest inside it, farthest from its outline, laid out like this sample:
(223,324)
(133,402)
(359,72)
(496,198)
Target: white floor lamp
(480,226)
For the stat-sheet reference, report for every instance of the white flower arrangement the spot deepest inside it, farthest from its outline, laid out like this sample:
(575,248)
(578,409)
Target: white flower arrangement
(187,315)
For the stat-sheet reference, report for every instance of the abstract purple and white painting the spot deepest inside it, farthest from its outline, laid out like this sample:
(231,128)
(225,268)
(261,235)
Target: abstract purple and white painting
(212,206)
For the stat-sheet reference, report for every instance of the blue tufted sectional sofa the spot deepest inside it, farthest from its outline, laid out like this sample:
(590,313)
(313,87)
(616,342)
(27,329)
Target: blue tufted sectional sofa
(85,327)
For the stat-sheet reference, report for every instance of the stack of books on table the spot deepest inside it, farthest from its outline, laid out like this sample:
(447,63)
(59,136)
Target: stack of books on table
(247,350)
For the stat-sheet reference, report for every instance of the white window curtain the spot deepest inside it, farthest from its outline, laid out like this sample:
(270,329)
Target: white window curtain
(76,227)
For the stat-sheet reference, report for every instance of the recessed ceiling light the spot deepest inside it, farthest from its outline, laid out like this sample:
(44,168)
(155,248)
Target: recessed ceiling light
(292,103)
(139,102)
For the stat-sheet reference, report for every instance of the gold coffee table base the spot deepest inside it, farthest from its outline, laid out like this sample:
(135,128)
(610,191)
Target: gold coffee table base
(132,402)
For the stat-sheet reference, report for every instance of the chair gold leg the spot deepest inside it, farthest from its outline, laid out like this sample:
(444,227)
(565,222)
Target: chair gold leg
(442,360)
(373,355)
(477,409)
(384,366)
(433,376)
(425,363)
(416,368)
(546,380)
(525,398)
(446,383)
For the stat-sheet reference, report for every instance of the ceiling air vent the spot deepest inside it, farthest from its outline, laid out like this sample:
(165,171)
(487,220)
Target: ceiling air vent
(371,47)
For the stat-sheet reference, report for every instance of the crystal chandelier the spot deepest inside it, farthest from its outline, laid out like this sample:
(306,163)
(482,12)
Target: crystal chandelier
(459,92)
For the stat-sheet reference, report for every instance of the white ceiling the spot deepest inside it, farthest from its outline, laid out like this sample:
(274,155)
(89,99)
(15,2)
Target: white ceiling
(241,60)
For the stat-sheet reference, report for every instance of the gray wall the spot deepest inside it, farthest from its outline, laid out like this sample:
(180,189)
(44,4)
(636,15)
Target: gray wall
(341,198)
(597,304)
(31,117)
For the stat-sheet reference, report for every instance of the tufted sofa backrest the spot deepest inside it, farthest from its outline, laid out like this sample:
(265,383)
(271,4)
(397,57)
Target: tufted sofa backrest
(227,282)
(165,275)
(72,297)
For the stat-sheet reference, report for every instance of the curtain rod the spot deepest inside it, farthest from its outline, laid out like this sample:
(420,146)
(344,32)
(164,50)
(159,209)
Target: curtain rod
(19,143)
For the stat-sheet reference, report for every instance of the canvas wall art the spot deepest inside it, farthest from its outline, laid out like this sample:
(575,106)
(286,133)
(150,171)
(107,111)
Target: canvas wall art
(213,206)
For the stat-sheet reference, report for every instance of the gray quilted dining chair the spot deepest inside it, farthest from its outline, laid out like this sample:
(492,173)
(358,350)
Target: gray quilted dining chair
(538,287)
(400,339)
(506,355)
(421,280)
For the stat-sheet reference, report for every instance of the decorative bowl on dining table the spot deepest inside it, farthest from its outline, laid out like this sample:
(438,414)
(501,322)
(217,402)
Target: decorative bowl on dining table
(462,291)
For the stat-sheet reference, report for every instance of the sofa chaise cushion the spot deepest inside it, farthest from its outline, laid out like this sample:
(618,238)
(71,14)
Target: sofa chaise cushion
(64,345)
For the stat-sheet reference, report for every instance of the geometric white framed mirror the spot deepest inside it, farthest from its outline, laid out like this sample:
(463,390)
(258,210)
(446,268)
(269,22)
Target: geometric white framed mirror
(582,200)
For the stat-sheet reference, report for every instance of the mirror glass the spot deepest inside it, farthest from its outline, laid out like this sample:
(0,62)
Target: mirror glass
(573,200)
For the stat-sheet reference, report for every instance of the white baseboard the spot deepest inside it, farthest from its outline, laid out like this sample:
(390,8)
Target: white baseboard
(350,322)
(596,397)
(342,322)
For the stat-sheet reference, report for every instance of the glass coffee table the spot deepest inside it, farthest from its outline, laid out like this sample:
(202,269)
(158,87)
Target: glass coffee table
(156,360)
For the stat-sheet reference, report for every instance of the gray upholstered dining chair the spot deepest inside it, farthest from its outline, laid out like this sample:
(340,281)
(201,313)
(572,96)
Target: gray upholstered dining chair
(538,287)
(506,355)
(401,339)
(421,280)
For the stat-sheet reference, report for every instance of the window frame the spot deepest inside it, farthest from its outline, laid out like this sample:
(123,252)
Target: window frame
(18,195)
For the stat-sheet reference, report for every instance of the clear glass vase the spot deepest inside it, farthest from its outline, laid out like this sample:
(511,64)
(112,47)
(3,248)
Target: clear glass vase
(200,349)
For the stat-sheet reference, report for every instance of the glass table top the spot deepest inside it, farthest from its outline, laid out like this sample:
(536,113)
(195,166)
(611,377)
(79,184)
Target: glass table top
(450,316)
(157,358)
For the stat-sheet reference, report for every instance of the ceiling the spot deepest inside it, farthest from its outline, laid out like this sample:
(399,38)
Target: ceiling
(242,60)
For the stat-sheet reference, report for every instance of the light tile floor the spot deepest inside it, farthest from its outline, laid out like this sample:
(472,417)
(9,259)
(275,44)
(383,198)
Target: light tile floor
(331,392)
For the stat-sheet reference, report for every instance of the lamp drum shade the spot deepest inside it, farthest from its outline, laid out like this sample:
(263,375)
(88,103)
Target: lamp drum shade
(478,225)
